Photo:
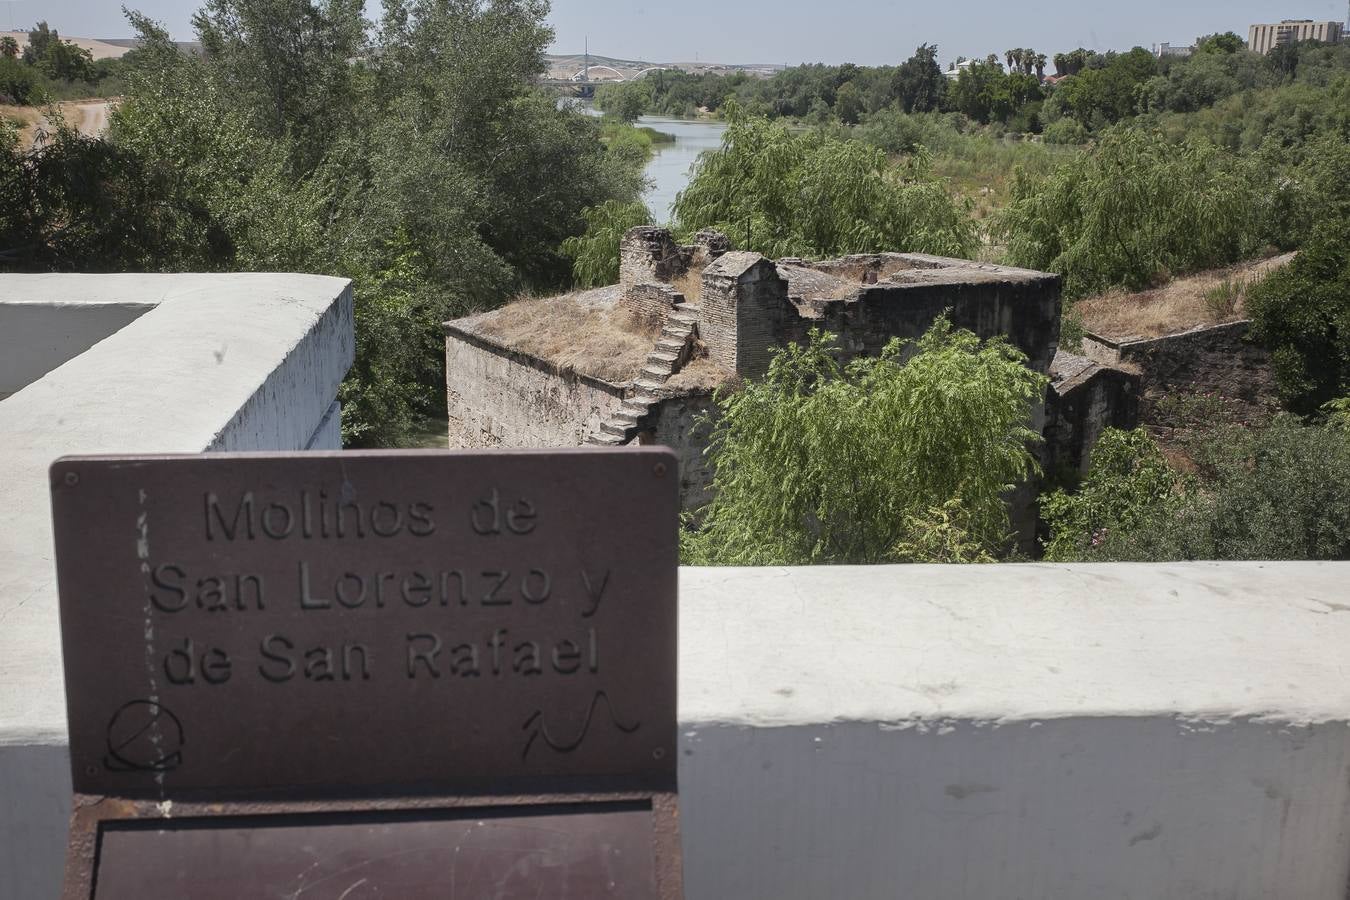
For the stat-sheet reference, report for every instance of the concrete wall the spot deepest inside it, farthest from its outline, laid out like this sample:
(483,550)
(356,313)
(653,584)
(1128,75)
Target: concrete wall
(219,362)
(1016,731)
(499,398)
(968,733)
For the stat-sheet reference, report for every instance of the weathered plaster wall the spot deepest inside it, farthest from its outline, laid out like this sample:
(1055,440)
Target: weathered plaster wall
(499,398)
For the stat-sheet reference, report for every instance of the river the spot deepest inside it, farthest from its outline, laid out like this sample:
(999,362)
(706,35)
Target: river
(669,168)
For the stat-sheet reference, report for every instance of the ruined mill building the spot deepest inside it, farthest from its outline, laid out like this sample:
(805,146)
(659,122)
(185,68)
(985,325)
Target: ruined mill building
(708,315)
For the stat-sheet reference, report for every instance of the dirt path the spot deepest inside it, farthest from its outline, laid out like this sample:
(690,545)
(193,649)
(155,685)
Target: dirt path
(90,118)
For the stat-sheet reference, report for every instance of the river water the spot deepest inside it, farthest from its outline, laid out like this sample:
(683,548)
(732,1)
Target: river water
(670,167)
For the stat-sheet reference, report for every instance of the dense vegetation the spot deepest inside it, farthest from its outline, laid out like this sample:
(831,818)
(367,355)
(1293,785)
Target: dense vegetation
(417,159)
(1280,492)
(812,194)
(1091,91)
(902,457)
(49,68)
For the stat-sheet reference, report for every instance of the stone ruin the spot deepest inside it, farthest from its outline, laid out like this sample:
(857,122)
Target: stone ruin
(724,311)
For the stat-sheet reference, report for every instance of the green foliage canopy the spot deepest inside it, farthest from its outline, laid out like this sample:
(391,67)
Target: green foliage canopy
(1137,207)
(1280,492)
(788,194)
(822,462)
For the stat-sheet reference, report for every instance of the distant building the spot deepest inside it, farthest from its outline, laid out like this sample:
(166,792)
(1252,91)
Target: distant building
(955,69)
(1265,38)
(1163,51)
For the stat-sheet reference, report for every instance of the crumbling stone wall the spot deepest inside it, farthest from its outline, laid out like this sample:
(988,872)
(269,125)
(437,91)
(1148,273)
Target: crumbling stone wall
(496,397)
(1217,359)
(1020,305)
(649,254)
(745,302)
(649,302)
(1085,398)
(682,424)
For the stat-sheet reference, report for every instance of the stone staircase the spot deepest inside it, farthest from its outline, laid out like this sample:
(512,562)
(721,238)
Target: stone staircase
(673,349)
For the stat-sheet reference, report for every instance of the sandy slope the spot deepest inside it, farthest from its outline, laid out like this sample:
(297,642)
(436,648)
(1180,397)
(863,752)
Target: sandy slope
(90,117)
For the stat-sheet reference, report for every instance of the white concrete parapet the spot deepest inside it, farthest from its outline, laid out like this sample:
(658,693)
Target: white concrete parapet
(129,364)
(1016,731)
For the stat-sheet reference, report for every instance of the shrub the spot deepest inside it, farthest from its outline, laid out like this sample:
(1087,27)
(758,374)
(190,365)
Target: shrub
(1302,312)
(901,457)
(1279,492)
(1129,485)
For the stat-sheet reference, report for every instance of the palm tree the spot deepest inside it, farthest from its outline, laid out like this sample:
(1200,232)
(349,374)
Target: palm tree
(1040,66)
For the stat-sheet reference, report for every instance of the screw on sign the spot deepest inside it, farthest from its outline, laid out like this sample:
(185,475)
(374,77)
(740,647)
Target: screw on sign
(398,672)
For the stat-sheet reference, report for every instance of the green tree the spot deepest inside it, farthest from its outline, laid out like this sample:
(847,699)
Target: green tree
(789,194)
(626,101)
(286,63)
(848,103)
(66,205)
(40,38)
(1137,207)
(980,92)
(1302,312)
(1225,43)
(920,85)
(822,462)
(596,253)
(1101,96)
(17,82)
(9,48)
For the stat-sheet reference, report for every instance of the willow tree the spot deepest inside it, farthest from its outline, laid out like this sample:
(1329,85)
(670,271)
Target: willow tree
(785,193)
(1137,207)
(822,462)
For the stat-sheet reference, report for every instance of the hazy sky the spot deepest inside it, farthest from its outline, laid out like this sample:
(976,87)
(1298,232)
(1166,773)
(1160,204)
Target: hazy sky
(793,31)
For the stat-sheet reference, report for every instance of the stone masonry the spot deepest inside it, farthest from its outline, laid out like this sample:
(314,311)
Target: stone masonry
(744,302)
(746,305)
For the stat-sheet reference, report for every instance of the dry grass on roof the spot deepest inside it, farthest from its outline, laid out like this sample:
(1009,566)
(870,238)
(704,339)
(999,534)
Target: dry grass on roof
(602,341)
(690,284)
(1207,298)
(700,374)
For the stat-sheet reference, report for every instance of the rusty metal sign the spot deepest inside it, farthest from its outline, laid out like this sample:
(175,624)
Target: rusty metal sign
(592,851)
(254,629)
